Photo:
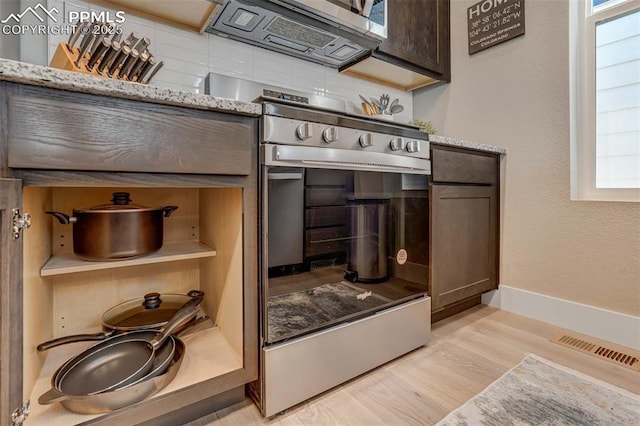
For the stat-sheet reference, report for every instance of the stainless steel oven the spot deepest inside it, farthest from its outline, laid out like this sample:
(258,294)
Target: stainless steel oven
(345,228)
(344,250)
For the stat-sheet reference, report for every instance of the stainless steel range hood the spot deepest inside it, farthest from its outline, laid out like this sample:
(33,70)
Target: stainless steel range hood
(314,30)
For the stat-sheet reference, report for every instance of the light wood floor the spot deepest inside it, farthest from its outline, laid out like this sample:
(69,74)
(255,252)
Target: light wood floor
(467,352)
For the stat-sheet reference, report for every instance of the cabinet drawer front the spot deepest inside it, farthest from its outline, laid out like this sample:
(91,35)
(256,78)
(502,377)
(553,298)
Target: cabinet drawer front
(70,131)
(463,167)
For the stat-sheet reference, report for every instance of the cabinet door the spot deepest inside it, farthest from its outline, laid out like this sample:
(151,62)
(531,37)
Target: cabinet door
(464,242)
(418,34)
(10,301)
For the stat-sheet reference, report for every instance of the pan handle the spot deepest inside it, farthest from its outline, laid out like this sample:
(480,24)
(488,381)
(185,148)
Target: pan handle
(72,339)
(51,396)
(63,218)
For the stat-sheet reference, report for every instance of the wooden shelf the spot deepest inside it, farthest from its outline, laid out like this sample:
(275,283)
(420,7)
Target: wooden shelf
(208,354)
(68,263)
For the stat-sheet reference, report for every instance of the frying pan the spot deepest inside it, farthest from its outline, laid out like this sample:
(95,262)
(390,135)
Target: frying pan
(117,398)
(151,312)
(160,363)
(116,363)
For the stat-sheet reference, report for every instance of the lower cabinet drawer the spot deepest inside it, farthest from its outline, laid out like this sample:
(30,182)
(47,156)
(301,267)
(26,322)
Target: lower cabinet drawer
(463,167)
(58,130)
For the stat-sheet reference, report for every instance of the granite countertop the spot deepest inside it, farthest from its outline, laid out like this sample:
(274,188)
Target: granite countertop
(37,75)
(442,140)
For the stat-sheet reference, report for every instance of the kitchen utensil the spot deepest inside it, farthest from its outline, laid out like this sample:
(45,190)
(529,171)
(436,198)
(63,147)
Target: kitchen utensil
(376,105)
(117,362)
(368,109)
(135,70)
(119,59)
(132,39)
(142,44)
(145,69)
(384,103)
(148,313)
(98,53)
(128,63)
(117,230)
(394,103)
(117,398)
(76,34)
(396,109)
(87,41)
(108,57)
(365,100)
(153,73)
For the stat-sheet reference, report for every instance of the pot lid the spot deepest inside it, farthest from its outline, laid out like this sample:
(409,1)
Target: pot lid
(120,202)
(151,311)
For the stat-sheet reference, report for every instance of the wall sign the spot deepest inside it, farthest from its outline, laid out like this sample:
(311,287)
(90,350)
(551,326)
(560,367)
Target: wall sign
(492,22)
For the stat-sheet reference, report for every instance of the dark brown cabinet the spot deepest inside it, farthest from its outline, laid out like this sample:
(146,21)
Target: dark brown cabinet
(61,150)
(416,52)
(464,228)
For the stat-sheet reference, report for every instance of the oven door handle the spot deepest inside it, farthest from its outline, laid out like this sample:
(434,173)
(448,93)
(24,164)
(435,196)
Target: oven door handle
(331,158)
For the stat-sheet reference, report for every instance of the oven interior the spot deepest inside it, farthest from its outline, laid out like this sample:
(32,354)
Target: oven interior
(341,244)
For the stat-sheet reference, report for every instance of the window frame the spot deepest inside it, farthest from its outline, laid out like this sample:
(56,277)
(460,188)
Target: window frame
(582,75)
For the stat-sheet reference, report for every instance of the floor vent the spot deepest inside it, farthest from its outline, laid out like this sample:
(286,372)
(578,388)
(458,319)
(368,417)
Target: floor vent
(624,357)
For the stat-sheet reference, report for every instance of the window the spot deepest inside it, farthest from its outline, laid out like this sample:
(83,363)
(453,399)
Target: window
(605,97)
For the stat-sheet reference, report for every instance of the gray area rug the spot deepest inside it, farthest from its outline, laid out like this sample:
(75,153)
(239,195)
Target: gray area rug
(539,392)
(295,313)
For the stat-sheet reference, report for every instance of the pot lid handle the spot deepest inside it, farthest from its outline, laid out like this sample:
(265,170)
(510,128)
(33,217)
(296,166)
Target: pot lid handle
(152,301)
(120,198)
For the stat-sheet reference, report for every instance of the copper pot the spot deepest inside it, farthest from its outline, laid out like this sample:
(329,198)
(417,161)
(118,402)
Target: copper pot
(117,230)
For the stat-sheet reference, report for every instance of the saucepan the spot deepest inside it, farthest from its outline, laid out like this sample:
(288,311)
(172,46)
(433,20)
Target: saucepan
(150,312)
(117,230)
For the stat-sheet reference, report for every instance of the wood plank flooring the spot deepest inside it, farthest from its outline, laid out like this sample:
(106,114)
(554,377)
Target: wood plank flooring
(467,352)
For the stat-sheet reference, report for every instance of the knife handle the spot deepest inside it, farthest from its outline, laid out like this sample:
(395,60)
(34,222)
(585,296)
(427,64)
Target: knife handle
(76,34)
(144,57)
(146,67)
(119,59)
(97,53)
(128,63)
(112,51)
(154,72)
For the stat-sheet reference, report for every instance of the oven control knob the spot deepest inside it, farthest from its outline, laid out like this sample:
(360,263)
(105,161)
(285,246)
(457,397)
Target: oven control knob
(396,144)
(304,131)
(413,146)
(366,140)
(330,134)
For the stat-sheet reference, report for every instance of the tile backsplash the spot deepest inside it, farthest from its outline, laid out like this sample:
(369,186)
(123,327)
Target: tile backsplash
(188,57)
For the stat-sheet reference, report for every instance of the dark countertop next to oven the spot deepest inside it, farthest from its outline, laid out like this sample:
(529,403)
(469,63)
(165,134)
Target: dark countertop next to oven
(37,75)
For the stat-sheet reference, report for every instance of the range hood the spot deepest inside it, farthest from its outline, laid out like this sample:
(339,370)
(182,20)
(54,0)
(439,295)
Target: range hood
(314,30)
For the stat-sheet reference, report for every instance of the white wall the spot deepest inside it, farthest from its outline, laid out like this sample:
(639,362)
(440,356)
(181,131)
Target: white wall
(189,57)
(516,95)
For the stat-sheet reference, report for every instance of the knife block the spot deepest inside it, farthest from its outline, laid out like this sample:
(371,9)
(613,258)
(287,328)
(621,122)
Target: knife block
(65,59)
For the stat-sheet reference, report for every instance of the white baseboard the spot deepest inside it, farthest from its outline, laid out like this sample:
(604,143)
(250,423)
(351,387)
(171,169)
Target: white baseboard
(608,325)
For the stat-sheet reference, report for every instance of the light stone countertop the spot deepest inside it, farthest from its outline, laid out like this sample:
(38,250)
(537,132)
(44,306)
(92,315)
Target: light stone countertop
(38,75)
(442,140)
